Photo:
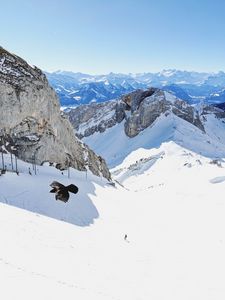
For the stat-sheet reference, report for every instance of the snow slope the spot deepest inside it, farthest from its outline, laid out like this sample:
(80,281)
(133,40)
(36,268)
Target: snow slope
(31,192)
(174,223)
(167,198)
(114,145)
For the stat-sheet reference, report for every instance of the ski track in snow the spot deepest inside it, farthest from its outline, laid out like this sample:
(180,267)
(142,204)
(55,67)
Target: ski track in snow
(217,179)
(55,280)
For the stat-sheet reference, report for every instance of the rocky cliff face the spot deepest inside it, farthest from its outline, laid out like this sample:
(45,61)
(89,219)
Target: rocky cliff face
(96,117)
(31,119)
(138,109)
(151,105)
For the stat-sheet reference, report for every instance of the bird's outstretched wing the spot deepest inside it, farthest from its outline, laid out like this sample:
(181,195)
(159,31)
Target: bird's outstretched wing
(72,188)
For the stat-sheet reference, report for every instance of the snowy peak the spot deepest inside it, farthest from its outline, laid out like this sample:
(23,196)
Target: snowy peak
(114,145)
(167,73)
(138,110)
(147,119)
(155,105)
(177,76)
(190,86)
(76,88)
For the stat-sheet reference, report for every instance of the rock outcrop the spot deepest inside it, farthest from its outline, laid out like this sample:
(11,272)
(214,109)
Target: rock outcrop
(32,120)
(96,117)
(152,105)
(138,109)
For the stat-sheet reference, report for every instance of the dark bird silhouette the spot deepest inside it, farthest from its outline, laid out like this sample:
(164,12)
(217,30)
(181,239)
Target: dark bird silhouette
(61,191)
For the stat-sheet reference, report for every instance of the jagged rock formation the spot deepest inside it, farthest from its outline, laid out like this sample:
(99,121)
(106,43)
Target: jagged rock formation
(138,109)
(151,105)
(32,121)
(96,117)
(151,117)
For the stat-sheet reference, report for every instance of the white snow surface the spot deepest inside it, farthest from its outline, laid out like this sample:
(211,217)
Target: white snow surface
(31,192)
(169,207)
(170,97)
(168,200)
(114,145)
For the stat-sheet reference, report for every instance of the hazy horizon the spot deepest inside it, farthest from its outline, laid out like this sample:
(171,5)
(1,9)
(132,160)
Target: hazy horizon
(132,74)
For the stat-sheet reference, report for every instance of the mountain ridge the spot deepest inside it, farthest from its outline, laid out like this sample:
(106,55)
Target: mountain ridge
(77,88)
(147,119)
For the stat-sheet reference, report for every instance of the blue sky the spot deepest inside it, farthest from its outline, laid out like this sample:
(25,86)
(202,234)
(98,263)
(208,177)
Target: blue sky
(100,36)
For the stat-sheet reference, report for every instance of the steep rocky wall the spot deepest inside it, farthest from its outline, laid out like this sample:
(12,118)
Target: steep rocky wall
(31,116)
(151,107)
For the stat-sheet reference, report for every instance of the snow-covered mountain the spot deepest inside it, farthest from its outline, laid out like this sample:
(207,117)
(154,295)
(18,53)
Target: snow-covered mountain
(146,119)
(178,92)
(77,88)
(173,76)
(217,97)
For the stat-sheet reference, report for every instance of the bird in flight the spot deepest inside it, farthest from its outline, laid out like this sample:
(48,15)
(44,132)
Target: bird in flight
(61,191)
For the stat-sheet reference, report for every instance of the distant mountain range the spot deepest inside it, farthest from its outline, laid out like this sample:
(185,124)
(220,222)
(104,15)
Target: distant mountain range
(74,89)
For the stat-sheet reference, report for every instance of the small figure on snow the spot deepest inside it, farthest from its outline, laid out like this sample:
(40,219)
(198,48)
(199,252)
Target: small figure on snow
(61,191)
(125,238)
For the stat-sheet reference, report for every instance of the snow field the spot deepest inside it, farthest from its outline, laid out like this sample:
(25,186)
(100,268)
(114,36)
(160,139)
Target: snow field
(176,238)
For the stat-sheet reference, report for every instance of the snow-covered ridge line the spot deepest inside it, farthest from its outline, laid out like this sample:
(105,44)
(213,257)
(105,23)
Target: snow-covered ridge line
(114,145)
(138,109)
(146,119)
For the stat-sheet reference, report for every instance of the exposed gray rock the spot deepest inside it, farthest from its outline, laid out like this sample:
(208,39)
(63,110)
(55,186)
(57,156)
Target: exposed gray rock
(138,109)
(31,117)
(209,109)
(134,99)
(96,117)
(153,106)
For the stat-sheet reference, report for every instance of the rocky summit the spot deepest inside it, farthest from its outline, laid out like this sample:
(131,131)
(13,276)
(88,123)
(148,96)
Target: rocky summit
(32,124)
(138,110)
